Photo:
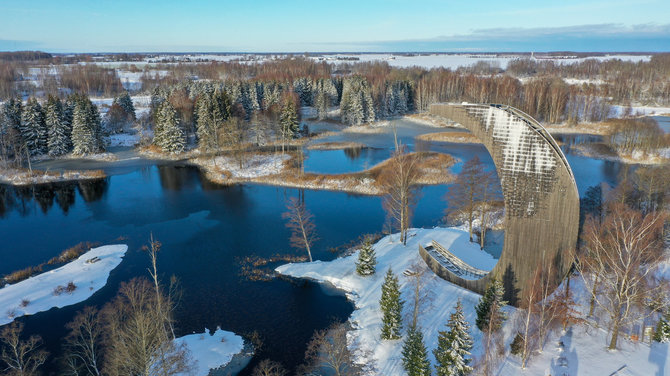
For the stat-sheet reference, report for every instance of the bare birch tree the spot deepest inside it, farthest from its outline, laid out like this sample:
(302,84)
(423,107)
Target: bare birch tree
(465,193)
(399,181)
(621,253)
(268,367)
(140,342)
(301,224)
(328,350)
(18,357)
(84,344)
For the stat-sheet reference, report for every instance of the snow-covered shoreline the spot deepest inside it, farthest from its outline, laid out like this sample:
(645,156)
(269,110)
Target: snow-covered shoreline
(384,357)
(25,177)
(88,274)
(211,350)
(588,150)
(579,351)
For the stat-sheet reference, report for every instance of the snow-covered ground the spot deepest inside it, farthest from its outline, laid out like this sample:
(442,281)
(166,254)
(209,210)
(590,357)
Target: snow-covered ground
(25,177)
(89,274)
(454,61)
(211,350)
(252,167)
(582,352)
(140,102)
(124,139)
(640,110)
(385,356)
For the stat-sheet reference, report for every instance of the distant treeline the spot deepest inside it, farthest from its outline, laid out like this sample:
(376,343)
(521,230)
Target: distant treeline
(24,56)
(536,86)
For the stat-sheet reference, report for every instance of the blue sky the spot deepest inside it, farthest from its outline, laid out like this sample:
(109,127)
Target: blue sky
(344,25)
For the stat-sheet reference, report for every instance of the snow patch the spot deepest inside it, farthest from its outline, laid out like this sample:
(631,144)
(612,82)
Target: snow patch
(252,167)
(210,351)
(89,274)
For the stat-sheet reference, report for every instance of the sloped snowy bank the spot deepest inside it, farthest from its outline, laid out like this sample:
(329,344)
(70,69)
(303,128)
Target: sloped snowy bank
(44,291)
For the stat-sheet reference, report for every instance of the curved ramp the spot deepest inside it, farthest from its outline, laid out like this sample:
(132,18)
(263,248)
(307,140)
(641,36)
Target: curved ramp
(539,189)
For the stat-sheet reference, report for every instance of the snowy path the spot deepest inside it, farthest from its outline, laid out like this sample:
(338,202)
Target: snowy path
(37,293)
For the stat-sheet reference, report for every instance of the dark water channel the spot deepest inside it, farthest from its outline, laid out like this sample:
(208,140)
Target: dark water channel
(206,229)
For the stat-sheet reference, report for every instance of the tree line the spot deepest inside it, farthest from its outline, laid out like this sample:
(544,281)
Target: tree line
(543,92)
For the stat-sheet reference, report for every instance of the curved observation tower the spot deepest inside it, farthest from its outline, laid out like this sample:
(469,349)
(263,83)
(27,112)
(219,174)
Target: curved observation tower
(539,190)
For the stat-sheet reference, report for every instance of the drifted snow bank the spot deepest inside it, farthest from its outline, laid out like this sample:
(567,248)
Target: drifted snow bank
(211,351)
(89,274)
(385,357)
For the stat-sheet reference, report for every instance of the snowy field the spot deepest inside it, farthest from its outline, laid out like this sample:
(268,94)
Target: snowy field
(429,60)
(582,352)
(210,351)
(39,293)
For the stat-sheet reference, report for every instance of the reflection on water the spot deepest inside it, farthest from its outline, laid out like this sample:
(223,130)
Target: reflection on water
(63,194)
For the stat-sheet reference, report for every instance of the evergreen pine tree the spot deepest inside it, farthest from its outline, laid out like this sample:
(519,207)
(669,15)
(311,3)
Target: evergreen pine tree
(11,114)
(59,135)
(491,302)
(204,130)
(94,121)
(169,135)
(86,127)
(10,127)
(391,306)
(453,346)
(367,260)
(126,103)
(212,110)
(414,354)
(356,106)
(33,128)
(662,333)
(288,120)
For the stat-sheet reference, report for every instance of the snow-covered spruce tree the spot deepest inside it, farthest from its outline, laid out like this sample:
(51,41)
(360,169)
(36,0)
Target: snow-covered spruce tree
(126,103)
(454,345)
(59,135)
(303,87)
(288,120)
(11,114)
(414,354)
(324,95)
(356,106)
(95,122)
(367,260)
(662,333)
(169,135)
(86,128)
(33,128)
(391,306)
(10,124)
(490,305)
(212,110)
